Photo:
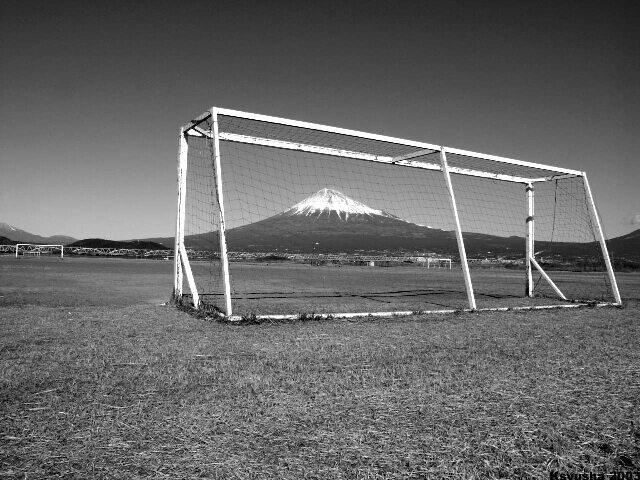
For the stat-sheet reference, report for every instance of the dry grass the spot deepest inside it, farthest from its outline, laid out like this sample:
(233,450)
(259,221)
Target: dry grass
(147,391)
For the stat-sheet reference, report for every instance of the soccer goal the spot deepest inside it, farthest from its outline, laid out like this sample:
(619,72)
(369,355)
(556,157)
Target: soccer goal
(35,250)
(280,218)
(439,263)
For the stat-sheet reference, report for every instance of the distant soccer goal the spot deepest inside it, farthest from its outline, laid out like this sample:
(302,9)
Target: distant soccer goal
(439,263)
(279,218)
(35,250)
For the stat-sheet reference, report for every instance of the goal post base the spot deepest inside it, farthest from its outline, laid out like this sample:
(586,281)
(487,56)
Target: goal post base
(408,313)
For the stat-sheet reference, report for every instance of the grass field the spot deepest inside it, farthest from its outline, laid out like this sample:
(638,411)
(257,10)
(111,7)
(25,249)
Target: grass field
(100,379)
(288,287)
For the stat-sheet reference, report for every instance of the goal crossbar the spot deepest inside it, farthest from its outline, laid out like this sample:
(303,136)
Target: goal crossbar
(422,146)
(404,161)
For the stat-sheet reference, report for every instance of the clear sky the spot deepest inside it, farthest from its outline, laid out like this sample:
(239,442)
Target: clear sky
(93,93)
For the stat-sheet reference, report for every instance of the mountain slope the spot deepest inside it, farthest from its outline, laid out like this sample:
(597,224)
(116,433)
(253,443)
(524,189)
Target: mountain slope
(168,242)
(330,222)
(18,235)
(133,244)
(6,241)
(626,246)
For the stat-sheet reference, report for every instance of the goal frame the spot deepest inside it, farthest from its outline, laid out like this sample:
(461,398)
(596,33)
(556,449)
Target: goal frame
(182,268)
(37,249)
(439,262)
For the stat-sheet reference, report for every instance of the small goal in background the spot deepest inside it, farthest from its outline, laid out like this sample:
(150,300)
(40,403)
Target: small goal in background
(36,250)
(279,218)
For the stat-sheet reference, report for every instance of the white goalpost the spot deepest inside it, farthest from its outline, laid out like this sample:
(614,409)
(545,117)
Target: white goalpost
(278,218)
(439,263)
(34,249)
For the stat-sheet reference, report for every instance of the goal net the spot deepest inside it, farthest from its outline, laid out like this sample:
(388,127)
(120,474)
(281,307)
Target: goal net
(279,217)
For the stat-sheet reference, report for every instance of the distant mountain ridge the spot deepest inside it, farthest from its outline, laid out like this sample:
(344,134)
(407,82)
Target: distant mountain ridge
(330,222)
(21,236)
(132,244)
(6,241)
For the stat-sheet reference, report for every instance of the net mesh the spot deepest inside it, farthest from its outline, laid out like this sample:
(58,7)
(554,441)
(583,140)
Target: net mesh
(493,217)
(499,168)
(311,230)
(202,220)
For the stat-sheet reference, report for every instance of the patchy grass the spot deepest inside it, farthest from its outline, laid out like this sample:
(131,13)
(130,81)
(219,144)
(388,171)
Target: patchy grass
(148,391)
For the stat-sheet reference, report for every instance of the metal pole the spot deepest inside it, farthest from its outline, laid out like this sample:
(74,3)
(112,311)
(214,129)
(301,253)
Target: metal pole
(603,243)
(223,240)
(183,151)
(529,239)
(548,279)
(454,208)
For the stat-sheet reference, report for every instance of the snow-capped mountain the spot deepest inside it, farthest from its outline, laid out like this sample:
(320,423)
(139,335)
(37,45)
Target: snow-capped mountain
(330,221)
(6,228)
(331,201)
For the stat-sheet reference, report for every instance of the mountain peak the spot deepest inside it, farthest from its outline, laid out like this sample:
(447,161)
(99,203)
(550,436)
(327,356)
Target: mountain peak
(330,200)
(6,226)
(18,235)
